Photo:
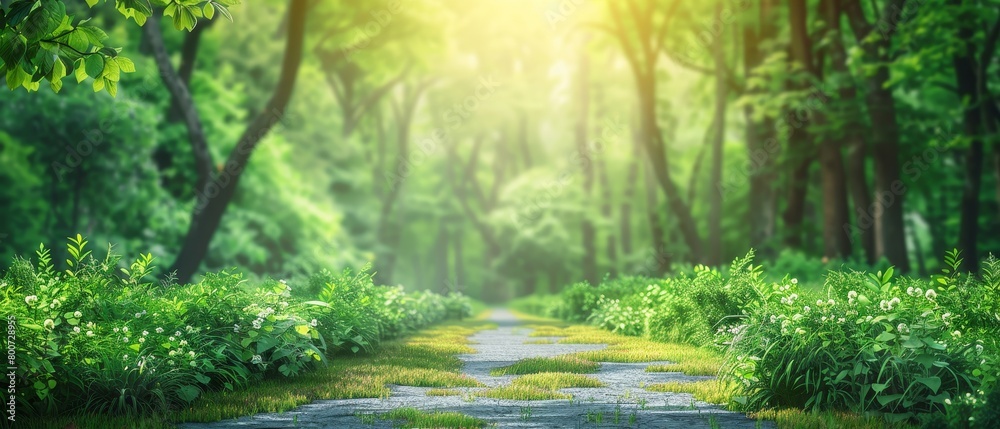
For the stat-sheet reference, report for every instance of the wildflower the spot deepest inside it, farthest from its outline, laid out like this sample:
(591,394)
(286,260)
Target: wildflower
(171,339)
(145,333)
(902,328)
(945,316)
(172,353)
(117,330)
(800,331)
(142,340)
(314,323)
(138,315)
(125,340)
(191,353)
(76,329)
(49,324)
(90,333)
(256,359)
(830,302)
(947,401)
(256,324)
(124,357)
(979,349)
(868,319)
(918,291)
(806,309)
(852,295)
(236,328)
(177,334)
(159,330)
(930,294)
(795,281)
(125,330)
(841,320)
(773,318)
(189,328)
(30,299)
(193,363)
(957,333)
(184,342)
(797,317)
(77,314)
(819,302)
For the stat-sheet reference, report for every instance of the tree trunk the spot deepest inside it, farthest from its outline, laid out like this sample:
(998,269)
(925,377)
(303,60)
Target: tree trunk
(215,196)
(762,146)
(626,208)
(890,236)
(714,251)
(659,265)
(972,117)
(588,233)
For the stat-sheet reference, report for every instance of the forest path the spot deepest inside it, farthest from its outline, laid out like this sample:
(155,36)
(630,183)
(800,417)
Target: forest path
(622,402)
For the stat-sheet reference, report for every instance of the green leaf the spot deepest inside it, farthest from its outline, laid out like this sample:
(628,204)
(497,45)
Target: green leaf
(188,393)
(43,20)
(266,343)
(12,49)
(209,10)
(885,337)
(92,3)
(94,66)
(202,378)
(885,399)
(879,387)
(934,383)
(126,65)
(18,11)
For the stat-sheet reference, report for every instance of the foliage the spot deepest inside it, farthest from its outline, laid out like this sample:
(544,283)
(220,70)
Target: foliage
(99,337)
(40,39)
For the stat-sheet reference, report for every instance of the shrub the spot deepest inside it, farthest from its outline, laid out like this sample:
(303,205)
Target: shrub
(98,337)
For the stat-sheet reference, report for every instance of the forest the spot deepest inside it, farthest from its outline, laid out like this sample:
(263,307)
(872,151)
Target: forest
(659,174)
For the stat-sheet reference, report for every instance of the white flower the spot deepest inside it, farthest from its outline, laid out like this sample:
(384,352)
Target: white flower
(117,330)
(49,324)
(831,302)
(142,340)
(171,339)
(841,320)
(806,309)
(819,302)
(184,342)
(909,291)
(774,318)
(90,333)
(256,359)
(76,329)
(979,349)
(918,291)
(947,401)
(145,333)
(191,353)
(77,314)
(852,295)
(177,334)
(930,294)
(125,339)
(795,281)
(124,357)
(125,330)
(236,328)
(30,299)
(138,315)
(172,353)
(256,324)
(868,319)
(314,323)
(800,331)
(945,316)
(797,317)
(902,328)
(957,333)
(159,330)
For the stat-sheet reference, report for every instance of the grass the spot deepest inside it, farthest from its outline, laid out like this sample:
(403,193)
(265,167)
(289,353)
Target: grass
(553,364)
(540,341)
(556,380)
(713,391)
(444,392)
(522,393)
(426,359)
(414,418)
(692,367)
(87,421)
(798,419)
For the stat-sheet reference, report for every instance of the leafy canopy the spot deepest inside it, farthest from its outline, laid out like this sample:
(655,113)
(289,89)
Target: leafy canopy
(40,40)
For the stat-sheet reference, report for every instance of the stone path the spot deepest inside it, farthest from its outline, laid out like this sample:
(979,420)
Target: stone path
(621,403)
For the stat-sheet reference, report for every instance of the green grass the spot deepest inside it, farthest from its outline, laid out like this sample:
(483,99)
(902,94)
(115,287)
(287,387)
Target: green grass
(414,418)
(554,364)
(88,421)
(798,419)
(522,393)
(556,380)
(540,341)
(713,391)
(444,392)
(691,367)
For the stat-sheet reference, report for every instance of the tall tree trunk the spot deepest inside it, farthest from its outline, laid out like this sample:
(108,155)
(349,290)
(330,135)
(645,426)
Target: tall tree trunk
(857,150)
(799,141)
(588,232)
(890,236)
(761,143)
(214,197)
(714,251)
(965,73)
(607,192)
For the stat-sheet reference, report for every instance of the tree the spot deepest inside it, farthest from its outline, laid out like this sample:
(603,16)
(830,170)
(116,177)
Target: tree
(218,186)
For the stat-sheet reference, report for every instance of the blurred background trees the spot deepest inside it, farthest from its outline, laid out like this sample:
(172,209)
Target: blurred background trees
(506,147)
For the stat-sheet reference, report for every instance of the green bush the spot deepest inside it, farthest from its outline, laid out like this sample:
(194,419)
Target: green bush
(98,337)
(898,346)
